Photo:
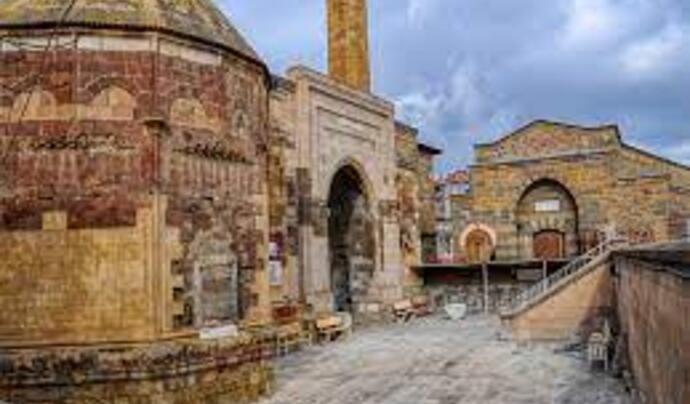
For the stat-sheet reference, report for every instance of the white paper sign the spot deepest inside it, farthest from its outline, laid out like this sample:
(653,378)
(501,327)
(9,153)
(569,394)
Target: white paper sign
(551,205)
(275,273)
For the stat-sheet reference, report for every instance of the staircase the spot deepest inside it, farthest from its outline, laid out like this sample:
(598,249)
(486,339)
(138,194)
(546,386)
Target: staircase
(580,265)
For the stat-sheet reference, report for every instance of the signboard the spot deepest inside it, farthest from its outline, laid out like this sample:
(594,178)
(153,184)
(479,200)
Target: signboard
(275,260)
(275,273)
(550,205)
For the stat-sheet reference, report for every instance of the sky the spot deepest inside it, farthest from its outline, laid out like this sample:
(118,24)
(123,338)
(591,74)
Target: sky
(472,71)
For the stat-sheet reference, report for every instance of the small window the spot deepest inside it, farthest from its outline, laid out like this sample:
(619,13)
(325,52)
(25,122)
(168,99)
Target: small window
(551,205)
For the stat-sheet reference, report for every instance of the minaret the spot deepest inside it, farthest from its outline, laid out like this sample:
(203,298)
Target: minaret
(348,43)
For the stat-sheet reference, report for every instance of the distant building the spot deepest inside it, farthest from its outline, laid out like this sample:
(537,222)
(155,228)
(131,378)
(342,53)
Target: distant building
(551,190)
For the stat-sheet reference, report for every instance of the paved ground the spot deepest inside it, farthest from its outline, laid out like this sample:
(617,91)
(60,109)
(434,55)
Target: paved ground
(436,361)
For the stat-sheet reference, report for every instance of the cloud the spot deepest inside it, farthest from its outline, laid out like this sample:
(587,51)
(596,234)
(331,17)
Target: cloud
(591,22)
(420,10)
(680,151)
(473,70)
(653,56)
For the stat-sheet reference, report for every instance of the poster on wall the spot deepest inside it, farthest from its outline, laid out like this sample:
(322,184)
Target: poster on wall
(275,272)
(275,260)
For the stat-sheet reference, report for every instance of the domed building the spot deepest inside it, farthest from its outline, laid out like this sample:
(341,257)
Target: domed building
(133,203)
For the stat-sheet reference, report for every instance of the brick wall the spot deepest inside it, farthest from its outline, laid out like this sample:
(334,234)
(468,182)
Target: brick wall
(115,119)
(653,310)
(614,185)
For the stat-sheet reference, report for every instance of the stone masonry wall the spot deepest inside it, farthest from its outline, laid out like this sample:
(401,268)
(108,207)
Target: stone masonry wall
(652,305)
(408,189)
(497,189)
(570,312)
(63,286)
(232,370)
(116,118)
(653,311)
(615,186)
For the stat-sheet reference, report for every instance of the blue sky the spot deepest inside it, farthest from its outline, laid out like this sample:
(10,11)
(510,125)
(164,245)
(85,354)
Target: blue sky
(468,71)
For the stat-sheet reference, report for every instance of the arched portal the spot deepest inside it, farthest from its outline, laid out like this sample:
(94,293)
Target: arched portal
(478,246)
(547,221)
(350,238)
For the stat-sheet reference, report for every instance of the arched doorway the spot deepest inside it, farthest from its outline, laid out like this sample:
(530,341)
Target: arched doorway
(548,245)
(547,222)
(478,246)
(350,239)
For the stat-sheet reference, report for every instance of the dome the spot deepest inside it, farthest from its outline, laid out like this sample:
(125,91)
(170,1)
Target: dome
(196,19)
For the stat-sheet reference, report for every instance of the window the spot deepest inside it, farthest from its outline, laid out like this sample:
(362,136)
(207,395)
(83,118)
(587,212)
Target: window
(550,205)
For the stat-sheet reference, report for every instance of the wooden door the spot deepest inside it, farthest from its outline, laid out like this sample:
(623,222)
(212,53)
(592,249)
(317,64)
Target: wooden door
(478,247)
(549,245)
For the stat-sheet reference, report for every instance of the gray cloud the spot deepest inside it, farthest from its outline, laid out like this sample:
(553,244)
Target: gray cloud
(467,71)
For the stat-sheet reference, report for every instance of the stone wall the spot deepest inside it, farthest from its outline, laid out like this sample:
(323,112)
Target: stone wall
(117,118)
(62,286)
(497,190)
(283,190)
(614,186)
(408,189)
(466,284)
(652,305)
(335,128)
(190,372)
(569,312)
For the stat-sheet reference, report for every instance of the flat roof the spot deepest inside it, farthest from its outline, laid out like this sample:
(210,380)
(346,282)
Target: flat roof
(674,256)
(522,264)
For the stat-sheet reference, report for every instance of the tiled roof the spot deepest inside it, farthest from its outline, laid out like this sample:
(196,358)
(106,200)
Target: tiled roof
(199,19)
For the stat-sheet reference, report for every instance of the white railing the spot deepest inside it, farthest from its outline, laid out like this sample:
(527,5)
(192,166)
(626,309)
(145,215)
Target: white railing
(541,288)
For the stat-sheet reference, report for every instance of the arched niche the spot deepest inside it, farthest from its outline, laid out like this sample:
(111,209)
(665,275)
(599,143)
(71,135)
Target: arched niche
(112,103)
(34,105)
(189,112)
(547,220)
(478,243)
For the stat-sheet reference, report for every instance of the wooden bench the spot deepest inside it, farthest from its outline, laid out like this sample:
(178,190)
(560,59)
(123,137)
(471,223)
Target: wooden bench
(403,311)
(290,337)
(330,327)
(421,306)
(290,333)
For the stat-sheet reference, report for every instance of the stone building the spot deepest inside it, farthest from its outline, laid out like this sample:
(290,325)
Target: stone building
(133,187)
(348,205)
(157,180)
(551,191)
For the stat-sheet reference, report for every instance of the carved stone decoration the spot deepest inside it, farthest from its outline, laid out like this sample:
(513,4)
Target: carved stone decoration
(389,209)
(241,125)
(217,284)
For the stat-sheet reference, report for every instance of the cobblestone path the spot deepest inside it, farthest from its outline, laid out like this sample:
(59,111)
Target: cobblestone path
(436,361)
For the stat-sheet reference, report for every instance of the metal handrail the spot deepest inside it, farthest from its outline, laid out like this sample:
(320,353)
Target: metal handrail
(575,266)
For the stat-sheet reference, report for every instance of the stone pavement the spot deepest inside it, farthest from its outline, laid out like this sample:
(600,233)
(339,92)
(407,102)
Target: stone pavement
(436,361)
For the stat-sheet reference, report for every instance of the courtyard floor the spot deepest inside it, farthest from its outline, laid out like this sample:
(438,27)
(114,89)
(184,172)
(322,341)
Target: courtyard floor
(437,361)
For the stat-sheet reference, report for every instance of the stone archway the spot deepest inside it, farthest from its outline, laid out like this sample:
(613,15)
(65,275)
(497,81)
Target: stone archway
(547,220)
(351,239)
(477,243)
